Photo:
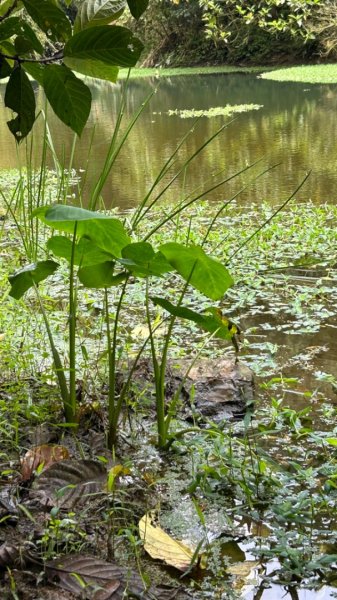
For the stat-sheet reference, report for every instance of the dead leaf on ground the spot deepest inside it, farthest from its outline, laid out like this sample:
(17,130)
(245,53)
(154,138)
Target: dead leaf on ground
(93,579)
(41,457)
(162,546)
(244,573)
(69,483)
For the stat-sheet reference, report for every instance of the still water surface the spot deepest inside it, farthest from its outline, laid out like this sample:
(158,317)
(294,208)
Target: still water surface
(296,127)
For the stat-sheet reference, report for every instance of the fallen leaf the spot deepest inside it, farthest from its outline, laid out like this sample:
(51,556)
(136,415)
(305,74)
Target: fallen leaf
(244,572)
(43,456)
(69,483)
(162,546)
(93,579)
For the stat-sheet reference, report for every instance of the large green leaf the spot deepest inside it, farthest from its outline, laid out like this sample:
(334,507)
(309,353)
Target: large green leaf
(5,68)
(204,273)
(93,68)
(137,7)
(69,97)
(141,259)
(35,70)
(100,276)
(109,44)
(213,323)
(98,12)
(6,4)
(17,26)
(20,98)
(25,278)
(86,252)
(51,19)
(106,232)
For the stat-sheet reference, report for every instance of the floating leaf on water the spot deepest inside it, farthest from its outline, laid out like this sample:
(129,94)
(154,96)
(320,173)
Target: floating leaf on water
(70,483)
(162,546)
(41,456)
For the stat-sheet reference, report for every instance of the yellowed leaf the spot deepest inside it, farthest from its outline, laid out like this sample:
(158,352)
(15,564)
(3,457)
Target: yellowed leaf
(162,546)
(243,572)
(41,456)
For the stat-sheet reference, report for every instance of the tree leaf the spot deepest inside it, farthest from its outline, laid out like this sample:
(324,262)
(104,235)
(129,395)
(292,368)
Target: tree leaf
(93,68)
(71,483)
(5,68)
(98,12)
(17,26)
(162,546)
(137,7)
(25,278)
(35,70)
(44,455)
(204,273)
(110,44)
(51,19)
(69,97)
(213,323)
(106,232)
(20,98)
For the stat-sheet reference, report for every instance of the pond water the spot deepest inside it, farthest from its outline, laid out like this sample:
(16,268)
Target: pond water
(296,127)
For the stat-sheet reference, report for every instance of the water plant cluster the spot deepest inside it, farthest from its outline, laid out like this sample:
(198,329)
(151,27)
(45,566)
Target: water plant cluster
(254,495)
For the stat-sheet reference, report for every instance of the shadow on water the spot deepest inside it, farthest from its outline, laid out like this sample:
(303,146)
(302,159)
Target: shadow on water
(296,127)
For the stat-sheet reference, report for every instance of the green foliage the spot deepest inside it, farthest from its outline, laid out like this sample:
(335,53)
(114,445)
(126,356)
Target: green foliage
(101,248)
(92,46)
(230,30)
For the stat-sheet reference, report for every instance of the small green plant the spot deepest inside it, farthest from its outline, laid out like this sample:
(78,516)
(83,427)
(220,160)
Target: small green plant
(101,255)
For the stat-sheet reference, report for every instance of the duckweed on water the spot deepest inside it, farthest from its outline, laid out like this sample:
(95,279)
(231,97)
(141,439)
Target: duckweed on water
(216,111)
(321,74)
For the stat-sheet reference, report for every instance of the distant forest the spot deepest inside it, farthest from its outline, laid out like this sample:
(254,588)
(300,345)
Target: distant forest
(192,32)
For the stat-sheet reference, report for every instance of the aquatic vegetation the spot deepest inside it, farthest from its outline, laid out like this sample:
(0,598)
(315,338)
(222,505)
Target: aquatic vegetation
(216,111)
(316,74)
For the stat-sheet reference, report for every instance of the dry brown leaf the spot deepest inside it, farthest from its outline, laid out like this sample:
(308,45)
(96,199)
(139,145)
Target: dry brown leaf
(162,546)
(93,579)
(43,456)
(70,483)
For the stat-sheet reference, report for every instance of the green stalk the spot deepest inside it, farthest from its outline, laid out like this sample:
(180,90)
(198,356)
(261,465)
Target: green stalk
(181,170)
(181,207)
(113,409)
(160,400)
(72,331)
(57,363)
(115,146)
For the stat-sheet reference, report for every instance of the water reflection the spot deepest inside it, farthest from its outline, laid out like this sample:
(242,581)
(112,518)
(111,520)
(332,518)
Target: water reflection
(296,127)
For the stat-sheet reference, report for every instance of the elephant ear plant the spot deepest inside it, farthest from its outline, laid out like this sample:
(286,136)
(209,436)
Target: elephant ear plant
(101,254)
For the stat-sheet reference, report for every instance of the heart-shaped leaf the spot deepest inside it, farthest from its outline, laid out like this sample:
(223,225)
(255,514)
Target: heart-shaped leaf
(25,278)
(204,273)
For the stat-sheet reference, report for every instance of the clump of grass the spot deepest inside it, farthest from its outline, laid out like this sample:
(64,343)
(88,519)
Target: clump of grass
(305,74)
(215,111)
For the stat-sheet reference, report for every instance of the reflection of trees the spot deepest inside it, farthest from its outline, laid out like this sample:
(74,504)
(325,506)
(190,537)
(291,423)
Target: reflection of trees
(295,127)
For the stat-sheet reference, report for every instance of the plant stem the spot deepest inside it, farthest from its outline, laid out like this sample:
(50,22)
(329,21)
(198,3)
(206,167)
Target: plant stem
(72,332)
(113,409)
(57,362)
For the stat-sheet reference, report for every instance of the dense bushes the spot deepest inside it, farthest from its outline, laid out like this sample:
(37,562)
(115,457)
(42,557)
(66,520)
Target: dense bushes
(210,31)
